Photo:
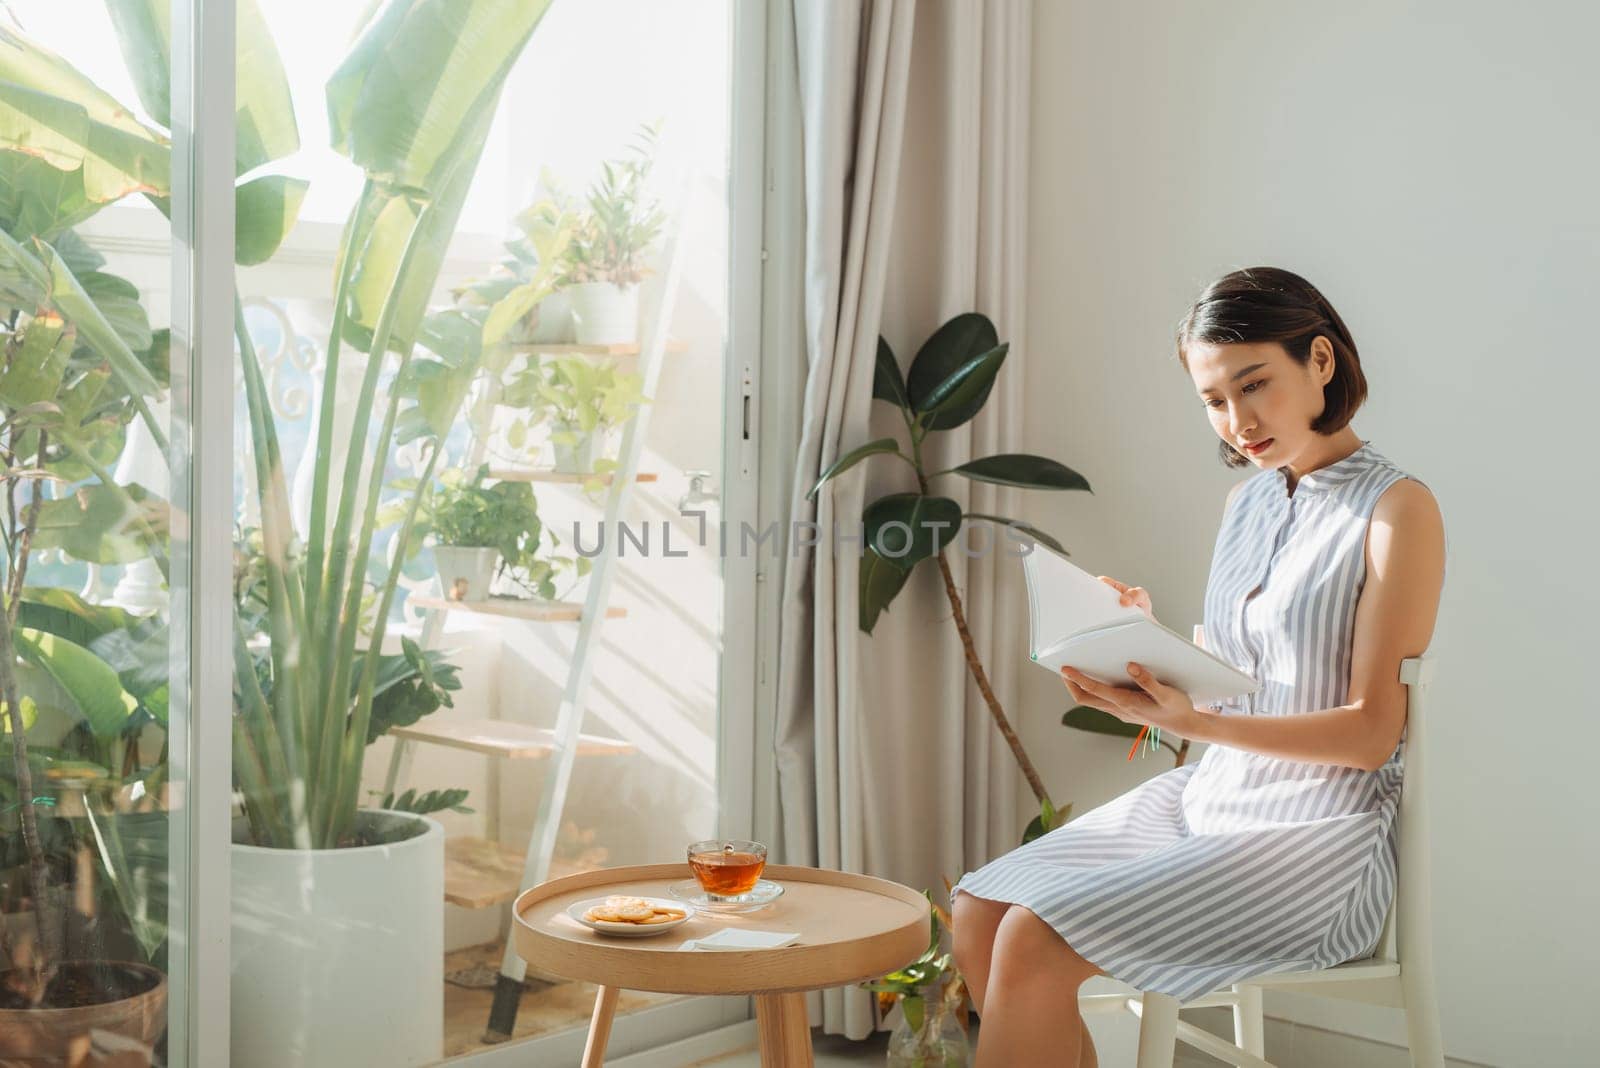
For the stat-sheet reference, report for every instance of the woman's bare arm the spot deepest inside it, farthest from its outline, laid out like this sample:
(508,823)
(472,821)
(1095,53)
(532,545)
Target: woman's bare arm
(1394,620)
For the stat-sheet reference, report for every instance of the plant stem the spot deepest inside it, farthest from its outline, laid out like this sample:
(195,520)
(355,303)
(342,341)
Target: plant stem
(38,874)
(969,648)
(981,677)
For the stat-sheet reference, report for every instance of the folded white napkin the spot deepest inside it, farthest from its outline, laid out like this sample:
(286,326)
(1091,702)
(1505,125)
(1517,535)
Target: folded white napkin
(735,938)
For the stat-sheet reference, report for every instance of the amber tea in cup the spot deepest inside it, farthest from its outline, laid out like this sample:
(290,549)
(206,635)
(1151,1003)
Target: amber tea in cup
(726,868)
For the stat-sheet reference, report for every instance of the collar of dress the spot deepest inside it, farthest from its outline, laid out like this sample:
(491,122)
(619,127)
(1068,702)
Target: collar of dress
(1327,477)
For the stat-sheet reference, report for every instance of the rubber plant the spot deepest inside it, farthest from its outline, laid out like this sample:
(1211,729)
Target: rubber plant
(947,385)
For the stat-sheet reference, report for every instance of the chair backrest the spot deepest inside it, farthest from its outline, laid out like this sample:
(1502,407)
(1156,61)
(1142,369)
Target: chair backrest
(1407,921)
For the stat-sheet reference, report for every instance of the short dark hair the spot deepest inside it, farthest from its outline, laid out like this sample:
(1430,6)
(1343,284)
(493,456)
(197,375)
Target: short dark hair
(1261,304)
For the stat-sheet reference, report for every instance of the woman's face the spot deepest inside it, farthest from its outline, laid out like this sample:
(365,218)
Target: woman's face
(1259,399)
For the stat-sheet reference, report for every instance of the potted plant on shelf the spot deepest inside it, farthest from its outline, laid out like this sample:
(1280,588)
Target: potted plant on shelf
(604,262)
(581,401)
(524,291)
(480,531)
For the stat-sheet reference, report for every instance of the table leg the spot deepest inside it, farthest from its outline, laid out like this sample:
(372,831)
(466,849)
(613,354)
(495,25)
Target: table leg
(784,1034)
(605,1006)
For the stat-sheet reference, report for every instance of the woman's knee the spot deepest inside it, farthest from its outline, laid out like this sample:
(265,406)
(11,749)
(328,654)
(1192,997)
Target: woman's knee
(1031,944)
(975,921)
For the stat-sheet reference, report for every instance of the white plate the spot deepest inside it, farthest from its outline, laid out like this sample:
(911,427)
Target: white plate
(631,930)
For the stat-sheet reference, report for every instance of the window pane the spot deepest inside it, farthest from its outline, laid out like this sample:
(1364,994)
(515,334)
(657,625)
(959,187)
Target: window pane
(487,303)
(88,671)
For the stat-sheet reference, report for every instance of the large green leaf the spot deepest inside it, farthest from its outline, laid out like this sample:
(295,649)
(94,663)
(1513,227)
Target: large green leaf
(887,382)
(114,162)
(135,647)
(63,291)
(907,528)
(1097,721)
(36,367)
(67,148)
(118,300)
(64,613)
(952,345)
(410,93)
(880,581)
(378,258)
(1024,470)
(36,198)
(1027,528)
(102,524)
(265,211)
(88,680)
(851,458)
(264,113)
(963,393)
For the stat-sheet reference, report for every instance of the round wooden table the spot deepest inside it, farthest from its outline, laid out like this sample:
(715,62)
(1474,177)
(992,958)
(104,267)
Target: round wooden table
(852,927)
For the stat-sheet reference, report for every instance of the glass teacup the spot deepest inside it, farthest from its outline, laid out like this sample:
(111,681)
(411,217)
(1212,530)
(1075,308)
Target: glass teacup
(725,867)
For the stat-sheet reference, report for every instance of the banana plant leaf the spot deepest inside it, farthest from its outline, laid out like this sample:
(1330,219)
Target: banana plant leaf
(265,210)
(264,118)
(135,647)
(405,103)
(93,687)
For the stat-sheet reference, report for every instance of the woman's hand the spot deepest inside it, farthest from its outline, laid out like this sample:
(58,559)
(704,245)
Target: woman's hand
(1131,594)
(1154,703)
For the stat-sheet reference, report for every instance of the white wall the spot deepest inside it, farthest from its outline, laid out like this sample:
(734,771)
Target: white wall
(1433,168)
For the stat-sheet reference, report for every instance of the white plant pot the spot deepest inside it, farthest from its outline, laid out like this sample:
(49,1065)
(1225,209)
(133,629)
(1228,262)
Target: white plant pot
(338,954)
(465,573)
(604,313)
(555,319)
(579,457)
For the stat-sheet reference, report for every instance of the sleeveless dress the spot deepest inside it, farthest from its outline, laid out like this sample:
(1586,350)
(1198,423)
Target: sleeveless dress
(1241,864)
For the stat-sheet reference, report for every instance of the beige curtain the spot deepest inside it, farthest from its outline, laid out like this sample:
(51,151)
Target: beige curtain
(914,120)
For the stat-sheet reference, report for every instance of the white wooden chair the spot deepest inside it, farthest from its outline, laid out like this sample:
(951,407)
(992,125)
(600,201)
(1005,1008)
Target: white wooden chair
(1398,974)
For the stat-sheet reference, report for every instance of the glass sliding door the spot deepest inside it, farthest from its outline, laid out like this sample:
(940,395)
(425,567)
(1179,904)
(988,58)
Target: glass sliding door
(95,594)
(483,361)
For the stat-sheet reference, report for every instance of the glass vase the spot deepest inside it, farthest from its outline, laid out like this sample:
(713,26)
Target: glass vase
(928,1034)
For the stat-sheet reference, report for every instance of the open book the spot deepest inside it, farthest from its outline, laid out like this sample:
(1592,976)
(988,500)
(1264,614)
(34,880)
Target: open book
(1078,621)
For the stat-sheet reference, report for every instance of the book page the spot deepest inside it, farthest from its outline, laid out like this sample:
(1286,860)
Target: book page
(1064,599)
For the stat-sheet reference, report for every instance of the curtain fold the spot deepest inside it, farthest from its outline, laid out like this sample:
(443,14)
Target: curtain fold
(914,130)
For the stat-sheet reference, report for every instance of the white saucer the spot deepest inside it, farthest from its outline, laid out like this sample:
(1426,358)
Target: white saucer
(764,893)
(630,930)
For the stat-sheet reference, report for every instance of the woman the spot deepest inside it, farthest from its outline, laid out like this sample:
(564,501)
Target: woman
(1276,851)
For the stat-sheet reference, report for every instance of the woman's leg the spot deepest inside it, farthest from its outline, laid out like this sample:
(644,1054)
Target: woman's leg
(1032,1018)
(974,921)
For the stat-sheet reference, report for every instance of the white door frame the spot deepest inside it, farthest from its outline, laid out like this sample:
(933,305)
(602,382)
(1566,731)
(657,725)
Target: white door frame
(200,720)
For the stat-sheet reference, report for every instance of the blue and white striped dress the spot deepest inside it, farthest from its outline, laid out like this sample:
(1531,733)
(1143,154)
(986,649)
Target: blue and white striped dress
(1241,864)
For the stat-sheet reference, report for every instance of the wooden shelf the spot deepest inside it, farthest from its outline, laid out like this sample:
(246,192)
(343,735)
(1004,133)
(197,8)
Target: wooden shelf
(516,608)
(503,738)
(529,474)
(479,873)
(569,349)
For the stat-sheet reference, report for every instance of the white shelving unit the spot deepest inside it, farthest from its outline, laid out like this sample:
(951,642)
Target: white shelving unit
(482,872)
